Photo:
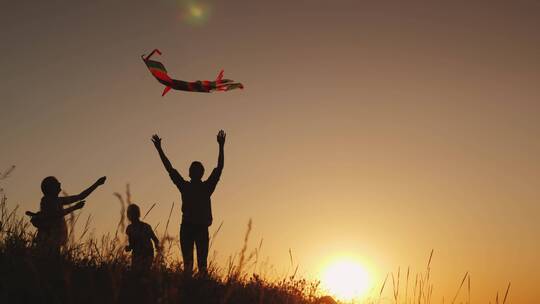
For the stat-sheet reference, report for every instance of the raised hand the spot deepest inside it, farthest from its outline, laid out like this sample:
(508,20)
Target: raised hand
(101,180)
(221,137)
(156,140)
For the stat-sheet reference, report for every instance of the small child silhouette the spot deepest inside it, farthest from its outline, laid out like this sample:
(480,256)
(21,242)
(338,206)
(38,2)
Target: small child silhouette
(140,237)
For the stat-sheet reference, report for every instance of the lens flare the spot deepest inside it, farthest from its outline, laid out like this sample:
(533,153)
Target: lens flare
(195,12)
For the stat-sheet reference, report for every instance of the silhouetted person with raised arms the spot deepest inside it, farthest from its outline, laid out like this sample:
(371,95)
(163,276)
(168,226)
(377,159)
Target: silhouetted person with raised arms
(140,237)
(52,229)
(196,205)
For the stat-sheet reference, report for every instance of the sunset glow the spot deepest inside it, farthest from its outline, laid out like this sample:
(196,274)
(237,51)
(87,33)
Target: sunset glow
(369,133)
(345,279)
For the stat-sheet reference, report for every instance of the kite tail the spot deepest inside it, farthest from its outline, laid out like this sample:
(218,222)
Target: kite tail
(230,86)
(223,84)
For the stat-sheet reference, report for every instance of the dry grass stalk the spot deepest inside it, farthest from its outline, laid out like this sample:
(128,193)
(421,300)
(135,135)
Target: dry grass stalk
(128,194)
(7,173)
(168,220)
(407,285)
(430,257)
(290,257)
(121,223)
(415,287)
(242,258)
(469,289)
(382,288)
(395,285)
(147,212)
(460,286)
(86,227)
(214,235)
(506,293)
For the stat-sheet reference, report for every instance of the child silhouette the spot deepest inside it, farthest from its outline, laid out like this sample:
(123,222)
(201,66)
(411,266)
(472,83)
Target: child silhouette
(140,237)
(52,228)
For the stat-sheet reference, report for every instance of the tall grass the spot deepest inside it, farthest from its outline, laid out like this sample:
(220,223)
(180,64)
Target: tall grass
(96,269)
(422,292)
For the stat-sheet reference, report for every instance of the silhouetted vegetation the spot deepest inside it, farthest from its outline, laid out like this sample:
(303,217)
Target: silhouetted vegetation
(93,269)
(97,270)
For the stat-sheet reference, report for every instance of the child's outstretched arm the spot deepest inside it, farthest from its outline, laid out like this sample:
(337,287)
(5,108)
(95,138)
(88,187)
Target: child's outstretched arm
(74,198)
(77,206)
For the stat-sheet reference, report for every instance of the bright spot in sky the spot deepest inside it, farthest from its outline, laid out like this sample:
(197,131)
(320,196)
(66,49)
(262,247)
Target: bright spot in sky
(345,279)
(196,11)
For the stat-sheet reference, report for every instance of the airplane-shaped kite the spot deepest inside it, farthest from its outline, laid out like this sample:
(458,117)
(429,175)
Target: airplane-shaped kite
(205,86)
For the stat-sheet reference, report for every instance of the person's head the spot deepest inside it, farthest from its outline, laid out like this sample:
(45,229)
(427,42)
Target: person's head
(196,171)
(133,213)
(50,186)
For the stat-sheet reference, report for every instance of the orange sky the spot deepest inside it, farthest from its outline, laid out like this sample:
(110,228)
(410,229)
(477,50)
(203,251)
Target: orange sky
(374,129)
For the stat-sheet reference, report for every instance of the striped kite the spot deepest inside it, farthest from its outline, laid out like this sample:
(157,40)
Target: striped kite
(204,86)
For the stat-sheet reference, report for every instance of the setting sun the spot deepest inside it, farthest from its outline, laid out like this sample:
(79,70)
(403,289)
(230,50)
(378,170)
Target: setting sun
(345,279)
(270,152)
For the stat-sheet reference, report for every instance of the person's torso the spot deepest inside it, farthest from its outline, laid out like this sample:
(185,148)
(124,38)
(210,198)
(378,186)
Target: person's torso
(51,209)
(196,203)
(141,239)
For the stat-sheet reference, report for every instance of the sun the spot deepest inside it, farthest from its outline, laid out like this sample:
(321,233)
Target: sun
(345,279)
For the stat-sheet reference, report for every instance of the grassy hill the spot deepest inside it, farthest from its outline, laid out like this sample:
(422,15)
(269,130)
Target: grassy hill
(97,270)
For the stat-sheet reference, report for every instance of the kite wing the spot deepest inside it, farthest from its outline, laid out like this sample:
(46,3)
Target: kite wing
(159,71)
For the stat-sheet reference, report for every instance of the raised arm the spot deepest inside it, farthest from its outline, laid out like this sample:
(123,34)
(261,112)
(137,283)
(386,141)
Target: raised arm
(66,200)
(77,206)
(173,173)
(47,213)
(214,177)
(221,141)
(166,162)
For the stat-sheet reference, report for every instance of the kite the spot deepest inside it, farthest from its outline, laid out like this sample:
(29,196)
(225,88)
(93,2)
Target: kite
(204,86)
